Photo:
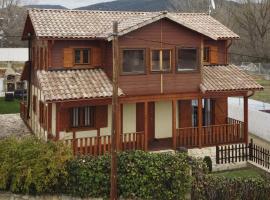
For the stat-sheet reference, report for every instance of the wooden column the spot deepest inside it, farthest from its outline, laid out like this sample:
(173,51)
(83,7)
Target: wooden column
(145,126)
(246,119)
(174,123)
(200,120)
(119,127)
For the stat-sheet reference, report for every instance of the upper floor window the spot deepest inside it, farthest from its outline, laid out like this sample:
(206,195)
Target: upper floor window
(187,59)
(82,56)
(161,60)
(83,117)
(133,61)
(206,54)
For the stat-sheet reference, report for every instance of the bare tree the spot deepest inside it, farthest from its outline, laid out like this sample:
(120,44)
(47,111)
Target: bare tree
(253,19)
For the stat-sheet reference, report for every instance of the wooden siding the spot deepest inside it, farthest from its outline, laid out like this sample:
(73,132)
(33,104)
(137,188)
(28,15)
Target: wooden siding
(62,52)
(185,113)
(220,110)
(218,51)
(172,36)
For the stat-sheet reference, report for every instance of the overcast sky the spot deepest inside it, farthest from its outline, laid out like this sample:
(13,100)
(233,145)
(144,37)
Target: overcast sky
(66,3)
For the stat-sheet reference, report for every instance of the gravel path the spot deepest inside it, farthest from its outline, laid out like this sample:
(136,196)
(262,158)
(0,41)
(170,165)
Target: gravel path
(12,125)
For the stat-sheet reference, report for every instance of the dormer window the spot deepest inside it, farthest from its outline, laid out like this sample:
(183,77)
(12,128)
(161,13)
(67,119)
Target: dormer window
(82,56)
(161,60)
(187,59)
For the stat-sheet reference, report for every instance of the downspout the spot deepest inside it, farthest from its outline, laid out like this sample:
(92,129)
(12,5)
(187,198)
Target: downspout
(250,95)
(29,74)
(227,49)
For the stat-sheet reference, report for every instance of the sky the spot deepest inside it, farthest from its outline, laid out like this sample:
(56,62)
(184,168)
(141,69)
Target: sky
(67,3)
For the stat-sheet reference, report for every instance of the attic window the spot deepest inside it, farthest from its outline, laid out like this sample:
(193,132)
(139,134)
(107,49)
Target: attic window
(187,59)
(82,56)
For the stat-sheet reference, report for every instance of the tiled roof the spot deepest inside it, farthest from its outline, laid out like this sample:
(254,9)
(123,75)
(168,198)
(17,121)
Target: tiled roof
(227,78)
(53,23)
(75,84)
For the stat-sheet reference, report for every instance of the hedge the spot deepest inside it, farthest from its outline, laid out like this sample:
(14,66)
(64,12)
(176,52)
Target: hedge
(140,175)
(32,166)
(212,187)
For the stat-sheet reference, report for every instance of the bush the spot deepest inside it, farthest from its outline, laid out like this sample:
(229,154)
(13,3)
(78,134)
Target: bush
(29,165)
(211,187)
(140,175)
(208,163)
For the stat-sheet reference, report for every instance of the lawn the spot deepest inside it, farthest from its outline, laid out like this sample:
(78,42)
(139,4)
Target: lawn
(264,95)
(244,173)
(8,107)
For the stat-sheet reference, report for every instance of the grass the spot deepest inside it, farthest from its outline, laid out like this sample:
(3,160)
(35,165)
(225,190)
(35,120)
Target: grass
(244,173)
(264,95)
(9,107)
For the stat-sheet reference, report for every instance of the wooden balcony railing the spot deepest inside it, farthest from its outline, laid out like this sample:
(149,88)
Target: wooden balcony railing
(133,141)
(212,135)
(100,145)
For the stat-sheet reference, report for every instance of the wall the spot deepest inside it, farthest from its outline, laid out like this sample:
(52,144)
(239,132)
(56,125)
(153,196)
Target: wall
(258,122)
(172,36)
(163,119)
(1,87)
(129,118)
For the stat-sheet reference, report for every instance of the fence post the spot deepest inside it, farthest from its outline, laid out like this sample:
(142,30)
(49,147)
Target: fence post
(250,147)
(217,154)
(74,143)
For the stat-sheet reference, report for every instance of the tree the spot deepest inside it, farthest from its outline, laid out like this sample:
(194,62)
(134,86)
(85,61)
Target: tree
(253,19)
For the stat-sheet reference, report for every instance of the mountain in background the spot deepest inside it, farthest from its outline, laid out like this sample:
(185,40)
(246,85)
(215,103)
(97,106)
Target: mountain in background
(155,5)
(45,6)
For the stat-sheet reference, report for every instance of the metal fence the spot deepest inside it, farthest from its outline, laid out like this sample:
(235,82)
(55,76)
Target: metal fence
(257,68)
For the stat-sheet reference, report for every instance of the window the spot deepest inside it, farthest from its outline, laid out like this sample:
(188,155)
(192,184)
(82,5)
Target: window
(41,112)
(133,61)
(82,56)
(161,60)
(34,103)
(206,54)
(187,59)
(83,117)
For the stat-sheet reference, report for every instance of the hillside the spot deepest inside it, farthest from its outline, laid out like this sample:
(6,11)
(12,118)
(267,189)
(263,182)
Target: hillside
(45,6)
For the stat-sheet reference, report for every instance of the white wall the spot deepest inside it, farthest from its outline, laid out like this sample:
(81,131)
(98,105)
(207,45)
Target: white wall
(1,87)
(129,118)
(258,122)
(163,119)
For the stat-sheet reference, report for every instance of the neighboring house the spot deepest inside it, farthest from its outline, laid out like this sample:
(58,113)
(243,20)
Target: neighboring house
(12,61)
(174,79)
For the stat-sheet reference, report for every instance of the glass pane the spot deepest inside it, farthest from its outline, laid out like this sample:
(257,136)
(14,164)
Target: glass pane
(187,59)
(85,56)
(133,61)
(155,60)
(166,62)
(77,56)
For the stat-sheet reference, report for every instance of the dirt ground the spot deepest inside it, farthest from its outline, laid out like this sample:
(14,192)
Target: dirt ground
(12,125)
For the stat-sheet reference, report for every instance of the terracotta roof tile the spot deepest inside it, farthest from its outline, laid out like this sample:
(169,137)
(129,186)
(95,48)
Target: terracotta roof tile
(75,84)
(55,23)
(227,78)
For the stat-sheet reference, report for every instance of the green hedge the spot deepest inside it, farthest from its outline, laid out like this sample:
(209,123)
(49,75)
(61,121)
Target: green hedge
(30,165)
(212,187)
(140,175)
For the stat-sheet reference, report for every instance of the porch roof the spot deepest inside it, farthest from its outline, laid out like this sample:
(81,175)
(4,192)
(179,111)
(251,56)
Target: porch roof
(227,78)
(75,84)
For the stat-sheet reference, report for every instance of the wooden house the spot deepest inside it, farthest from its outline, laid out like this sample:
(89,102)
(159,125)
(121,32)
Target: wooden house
(174,80)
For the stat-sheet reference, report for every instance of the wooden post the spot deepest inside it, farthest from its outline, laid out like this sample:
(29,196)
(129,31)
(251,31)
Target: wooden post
(119,133)
(246,119)
(115,109)
(200,120)
(145,126)
(174,123)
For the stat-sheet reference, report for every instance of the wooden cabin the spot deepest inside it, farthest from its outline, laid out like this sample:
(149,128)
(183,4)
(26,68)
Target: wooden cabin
(174,80)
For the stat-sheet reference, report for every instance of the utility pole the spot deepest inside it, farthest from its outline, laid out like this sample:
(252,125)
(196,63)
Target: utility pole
(115,106)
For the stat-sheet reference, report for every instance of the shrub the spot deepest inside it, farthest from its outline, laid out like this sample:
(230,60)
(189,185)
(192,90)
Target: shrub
(140,175)
(208,163)
(29,165)
(211,187)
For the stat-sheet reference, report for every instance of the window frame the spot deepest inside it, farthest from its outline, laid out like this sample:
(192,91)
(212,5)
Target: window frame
(81,118)
(81,49)
(161,61)
(197,56)
(122,60)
